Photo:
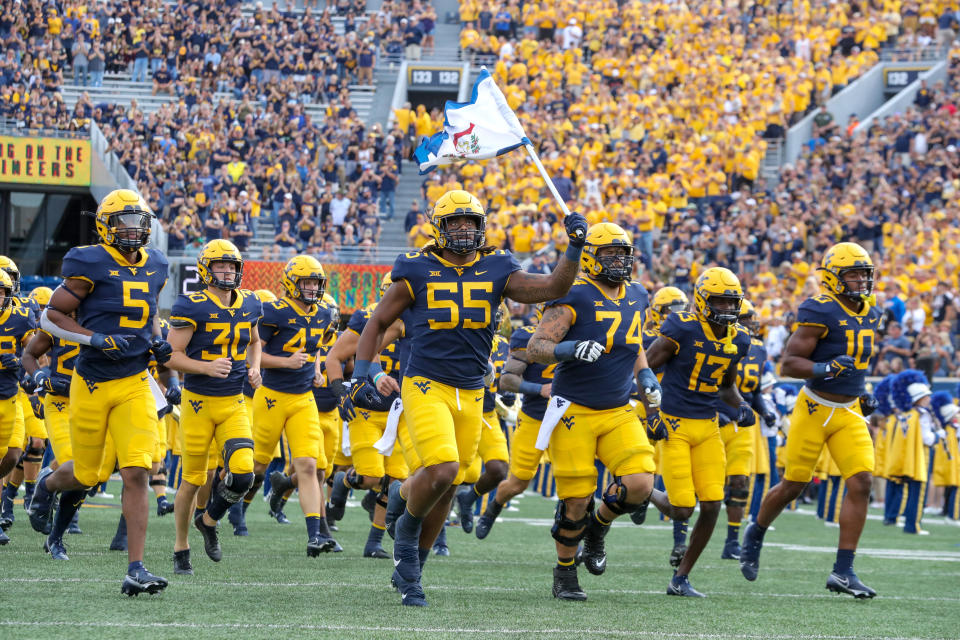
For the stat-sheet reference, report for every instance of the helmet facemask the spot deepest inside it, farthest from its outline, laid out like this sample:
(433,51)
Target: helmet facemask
(616,268)
(866,285)
(130,229)
(723,317)
(463,240)
(233,283)
(309,297)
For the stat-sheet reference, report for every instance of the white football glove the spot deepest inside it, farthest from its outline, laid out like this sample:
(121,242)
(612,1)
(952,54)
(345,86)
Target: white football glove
(654,396)
(588,350)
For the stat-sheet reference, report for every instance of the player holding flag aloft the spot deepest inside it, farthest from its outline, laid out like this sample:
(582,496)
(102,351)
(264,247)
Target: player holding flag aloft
(450,291)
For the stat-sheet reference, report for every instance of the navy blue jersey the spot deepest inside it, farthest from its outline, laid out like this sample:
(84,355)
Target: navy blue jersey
(325,398)
(284,330)
(63,357)
(404,345)
(451,318)
(16,323)
(750,370)
(534,405)
(219,331)
(692,378)
(499,356)
(650,335)
(843,332)
(30,304)
(617,324)
(122,301)
(389,361)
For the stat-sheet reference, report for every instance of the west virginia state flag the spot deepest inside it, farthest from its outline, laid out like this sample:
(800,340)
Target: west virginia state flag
(483,128)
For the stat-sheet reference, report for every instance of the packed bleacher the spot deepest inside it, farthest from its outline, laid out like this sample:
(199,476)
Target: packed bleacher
(657,118)
(235,142)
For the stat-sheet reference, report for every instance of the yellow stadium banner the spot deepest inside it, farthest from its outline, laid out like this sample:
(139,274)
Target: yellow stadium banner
(53,161)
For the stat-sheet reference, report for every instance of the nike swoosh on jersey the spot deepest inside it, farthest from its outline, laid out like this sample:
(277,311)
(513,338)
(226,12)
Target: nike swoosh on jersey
(150,273)
(632,302)
(479,273)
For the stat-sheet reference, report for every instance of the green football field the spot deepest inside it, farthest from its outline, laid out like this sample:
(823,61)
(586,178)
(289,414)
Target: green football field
(266,587)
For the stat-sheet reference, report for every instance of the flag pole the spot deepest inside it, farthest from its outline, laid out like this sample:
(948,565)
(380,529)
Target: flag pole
(547,179)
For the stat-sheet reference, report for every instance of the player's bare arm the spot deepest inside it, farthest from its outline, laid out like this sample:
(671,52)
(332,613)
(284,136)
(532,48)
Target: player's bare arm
(553,327)
(659,352)
(39,344)
(531,288)
(254,357)
(512,374)
(394,301)
(62,303)
(796,361)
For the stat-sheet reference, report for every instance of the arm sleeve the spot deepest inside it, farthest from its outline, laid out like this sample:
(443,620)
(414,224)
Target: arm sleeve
(47,325)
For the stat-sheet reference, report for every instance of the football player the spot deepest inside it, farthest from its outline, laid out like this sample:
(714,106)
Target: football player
(238,512)
(738,442)
(16,322)
(216,345)
(700,351)
(832,348)
(450,290)
(533,380)
(593,334)
(53,383)
(292,331)
(113,286)
(367,418)
(492,451)
(665,301)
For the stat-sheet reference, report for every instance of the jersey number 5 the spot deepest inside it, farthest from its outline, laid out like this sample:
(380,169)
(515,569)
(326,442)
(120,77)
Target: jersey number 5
(464,299)
(129,321)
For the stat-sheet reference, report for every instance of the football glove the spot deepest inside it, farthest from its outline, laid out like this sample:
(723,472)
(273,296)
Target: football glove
(584,350)
(769,418)
(161,349)
(27,383)
(868,404)
(745,415)
(839,367)
(9,361)
(656,428)
(37,405)
(48,384)
(114,347)
(364,391)
(344,403)
(173,393)
(647,381)
(576,226)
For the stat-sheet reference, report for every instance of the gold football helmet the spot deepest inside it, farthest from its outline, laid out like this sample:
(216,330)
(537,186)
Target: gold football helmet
(219,251)
(612,268)
(454,204)
(299,269)
(714,285)
(840,260)
(123,220)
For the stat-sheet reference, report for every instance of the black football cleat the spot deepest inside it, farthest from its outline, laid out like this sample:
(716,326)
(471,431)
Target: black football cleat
(376,552)
(750,552)
(164,507)
(680,586)
(211,541)
(487,518)
(142,581)
(7,496)
(594,553)
(731,550)
(640,515)
(181,563)
(280,517)
(279,485)
(320,544)
(41,507)
(4,538)
(849,583)
(56,549)
(119,542)
(676,555)
(338,496)
(566,586)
